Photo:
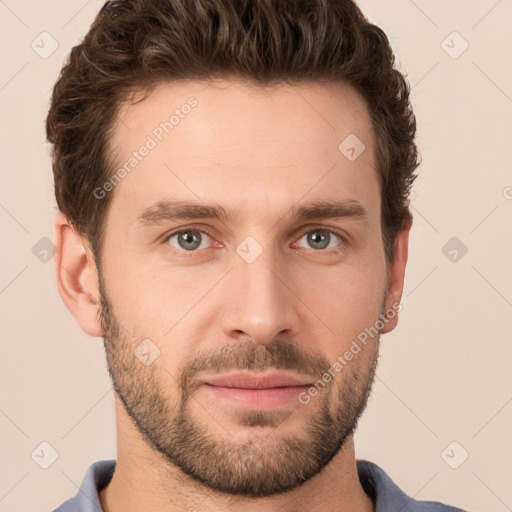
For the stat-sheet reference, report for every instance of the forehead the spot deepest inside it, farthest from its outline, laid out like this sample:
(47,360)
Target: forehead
(234,144)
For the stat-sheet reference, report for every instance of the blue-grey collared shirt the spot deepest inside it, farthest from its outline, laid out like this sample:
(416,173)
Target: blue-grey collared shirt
(388,497)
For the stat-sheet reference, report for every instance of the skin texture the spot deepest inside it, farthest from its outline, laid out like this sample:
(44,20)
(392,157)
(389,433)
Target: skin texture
(296,307)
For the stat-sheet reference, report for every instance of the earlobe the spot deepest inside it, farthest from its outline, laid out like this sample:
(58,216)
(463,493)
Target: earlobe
(77,276)
(397,276)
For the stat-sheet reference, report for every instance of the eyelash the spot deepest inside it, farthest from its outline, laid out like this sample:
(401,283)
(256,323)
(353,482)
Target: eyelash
(336,250)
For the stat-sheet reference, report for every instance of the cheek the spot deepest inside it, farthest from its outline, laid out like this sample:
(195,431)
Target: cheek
(151,300)
(347,301)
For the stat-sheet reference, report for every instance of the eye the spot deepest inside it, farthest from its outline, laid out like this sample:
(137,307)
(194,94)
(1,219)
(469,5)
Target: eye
(188,239)
(320,239)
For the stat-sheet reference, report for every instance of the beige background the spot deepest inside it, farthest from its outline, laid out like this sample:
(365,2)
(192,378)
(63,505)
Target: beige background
(444,374)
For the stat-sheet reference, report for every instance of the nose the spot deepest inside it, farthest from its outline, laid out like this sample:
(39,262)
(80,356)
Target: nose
(262,302)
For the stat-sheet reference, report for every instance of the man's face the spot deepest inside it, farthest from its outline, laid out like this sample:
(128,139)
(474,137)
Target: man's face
(261,291)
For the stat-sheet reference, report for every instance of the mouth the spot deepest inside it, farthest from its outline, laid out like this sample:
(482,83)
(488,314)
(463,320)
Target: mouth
(256,391)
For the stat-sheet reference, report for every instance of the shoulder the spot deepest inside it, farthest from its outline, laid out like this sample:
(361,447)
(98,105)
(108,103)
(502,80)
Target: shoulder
(389,497)
(87,499)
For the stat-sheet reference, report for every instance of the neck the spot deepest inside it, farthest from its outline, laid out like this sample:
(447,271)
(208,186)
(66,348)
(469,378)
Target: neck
(144,480)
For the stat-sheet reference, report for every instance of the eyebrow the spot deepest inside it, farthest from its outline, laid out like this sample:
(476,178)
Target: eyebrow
(163,211)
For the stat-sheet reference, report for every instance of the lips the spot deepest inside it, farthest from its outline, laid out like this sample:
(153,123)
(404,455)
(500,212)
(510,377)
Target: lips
(255,391)
(250,380)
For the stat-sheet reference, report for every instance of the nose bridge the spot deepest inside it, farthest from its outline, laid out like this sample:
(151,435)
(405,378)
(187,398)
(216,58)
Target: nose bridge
(260,304)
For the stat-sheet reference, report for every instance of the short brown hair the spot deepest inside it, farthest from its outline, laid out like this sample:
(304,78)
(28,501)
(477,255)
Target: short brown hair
(138,43)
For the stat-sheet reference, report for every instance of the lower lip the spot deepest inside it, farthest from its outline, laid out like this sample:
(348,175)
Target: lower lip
(257,399)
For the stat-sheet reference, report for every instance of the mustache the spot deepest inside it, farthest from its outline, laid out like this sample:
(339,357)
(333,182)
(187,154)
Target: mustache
(249,355)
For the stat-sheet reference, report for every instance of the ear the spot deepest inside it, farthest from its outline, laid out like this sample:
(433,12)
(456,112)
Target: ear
(396,275)
(77,276)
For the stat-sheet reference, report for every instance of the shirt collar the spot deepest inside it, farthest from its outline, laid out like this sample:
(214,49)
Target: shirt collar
(387,496)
